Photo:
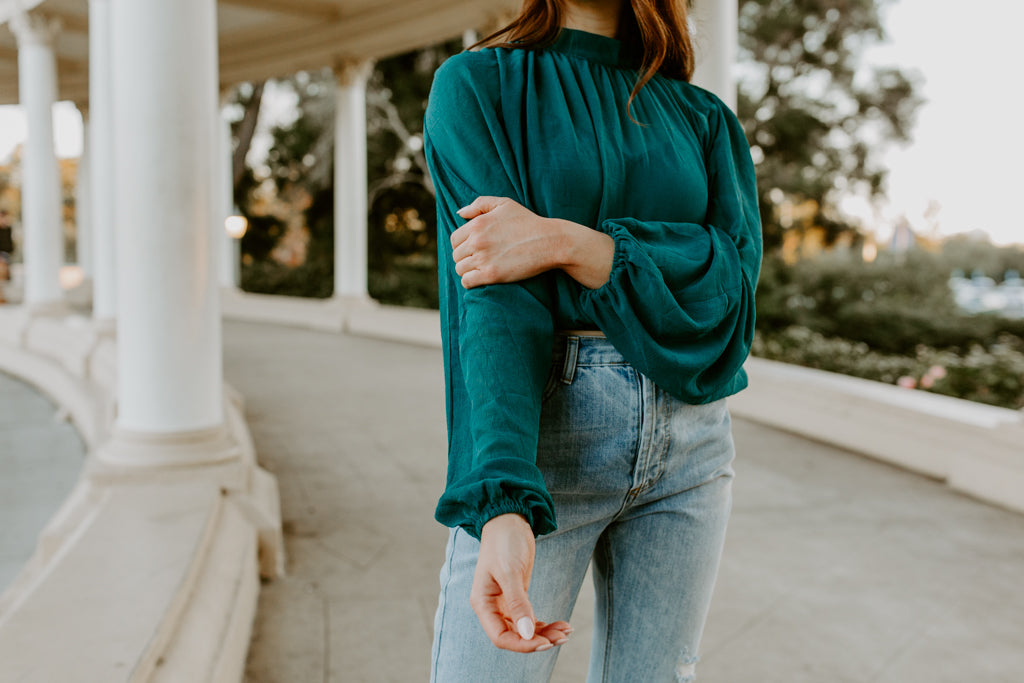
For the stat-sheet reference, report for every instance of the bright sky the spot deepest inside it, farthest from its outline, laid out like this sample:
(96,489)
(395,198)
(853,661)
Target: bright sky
(968,142)
(968,148)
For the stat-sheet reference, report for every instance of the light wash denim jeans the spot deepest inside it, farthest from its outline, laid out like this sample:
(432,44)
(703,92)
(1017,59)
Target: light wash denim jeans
(642,488)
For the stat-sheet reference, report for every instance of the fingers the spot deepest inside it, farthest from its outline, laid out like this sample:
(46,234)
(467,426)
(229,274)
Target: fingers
(556,633)
(480,205)
(518,609)
(503,634)
(502,631)
(522,635)
(502,607)
(462,246)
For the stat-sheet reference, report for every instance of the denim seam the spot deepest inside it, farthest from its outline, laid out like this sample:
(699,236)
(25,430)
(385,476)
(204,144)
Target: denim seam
(444,598)
(630,496)
(609,609)
(664,401)
(649,433)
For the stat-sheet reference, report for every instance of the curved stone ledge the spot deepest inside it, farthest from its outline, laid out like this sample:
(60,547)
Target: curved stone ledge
(974,448)
(144,573)
(365,318)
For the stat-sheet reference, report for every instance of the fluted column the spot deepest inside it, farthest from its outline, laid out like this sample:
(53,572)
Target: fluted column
(350,183)
(169,366)
(41,194)
(717,36)
(101,153)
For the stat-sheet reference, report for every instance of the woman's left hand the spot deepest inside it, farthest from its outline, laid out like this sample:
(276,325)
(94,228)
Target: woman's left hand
(503,241)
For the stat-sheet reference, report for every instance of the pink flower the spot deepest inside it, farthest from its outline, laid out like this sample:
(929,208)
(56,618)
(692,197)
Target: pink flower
(907,382)
(937,372)
(928,381)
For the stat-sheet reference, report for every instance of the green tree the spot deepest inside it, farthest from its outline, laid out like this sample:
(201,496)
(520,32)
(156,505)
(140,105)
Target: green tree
(815,116)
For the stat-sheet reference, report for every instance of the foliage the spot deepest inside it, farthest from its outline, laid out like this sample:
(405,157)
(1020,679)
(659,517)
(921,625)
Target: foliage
(816,124)
(888,320)
(994,376)
(969,254)
(260,237)
(270,277)
(891,305)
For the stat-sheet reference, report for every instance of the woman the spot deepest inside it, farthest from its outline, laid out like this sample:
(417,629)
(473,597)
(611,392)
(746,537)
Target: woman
(599,247)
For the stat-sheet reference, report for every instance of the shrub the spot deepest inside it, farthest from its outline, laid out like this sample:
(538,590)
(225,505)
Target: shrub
(312,279)
(994,376)
(892,306)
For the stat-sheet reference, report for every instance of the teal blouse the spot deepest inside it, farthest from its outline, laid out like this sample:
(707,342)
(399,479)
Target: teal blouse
(548,128)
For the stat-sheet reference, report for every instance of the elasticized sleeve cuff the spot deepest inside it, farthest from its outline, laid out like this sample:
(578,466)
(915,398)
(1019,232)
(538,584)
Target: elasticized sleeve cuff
(620,258)
(477,502)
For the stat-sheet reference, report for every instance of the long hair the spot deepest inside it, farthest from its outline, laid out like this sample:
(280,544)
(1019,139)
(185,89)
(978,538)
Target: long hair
(655,29)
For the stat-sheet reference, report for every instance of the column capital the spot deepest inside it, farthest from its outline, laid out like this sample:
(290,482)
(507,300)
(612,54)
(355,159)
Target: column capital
(352,70)
(33,28)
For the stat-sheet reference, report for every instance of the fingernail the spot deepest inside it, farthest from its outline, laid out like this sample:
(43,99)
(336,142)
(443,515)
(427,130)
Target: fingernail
(525,627)
(561,641)
(544,647)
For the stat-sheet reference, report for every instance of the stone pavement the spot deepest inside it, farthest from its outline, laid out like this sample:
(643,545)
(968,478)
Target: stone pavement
(40,460)
(837,568)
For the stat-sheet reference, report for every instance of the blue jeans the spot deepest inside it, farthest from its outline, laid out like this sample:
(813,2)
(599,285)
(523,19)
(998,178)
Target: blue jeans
(642,488)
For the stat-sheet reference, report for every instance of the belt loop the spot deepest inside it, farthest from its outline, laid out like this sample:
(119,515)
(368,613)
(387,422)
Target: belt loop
(572,345)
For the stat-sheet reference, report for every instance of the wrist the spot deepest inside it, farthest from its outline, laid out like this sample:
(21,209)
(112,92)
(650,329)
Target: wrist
(583,253)
(510,521)
(565,253)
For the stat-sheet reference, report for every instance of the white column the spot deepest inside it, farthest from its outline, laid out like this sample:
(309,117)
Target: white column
(170,386)
(716,36)
(101,153)
(83,203)
(350,184)
(41,193)
(228,245)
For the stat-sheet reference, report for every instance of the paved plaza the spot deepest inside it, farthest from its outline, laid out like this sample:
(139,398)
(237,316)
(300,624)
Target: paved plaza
(836,569)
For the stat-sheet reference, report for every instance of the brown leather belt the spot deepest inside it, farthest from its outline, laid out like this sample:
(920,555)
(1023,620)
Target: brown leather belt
(581,333)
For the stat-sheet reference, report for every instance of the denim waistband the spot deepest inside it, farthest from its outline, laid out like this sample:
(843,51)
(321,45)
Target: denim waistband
(572,351)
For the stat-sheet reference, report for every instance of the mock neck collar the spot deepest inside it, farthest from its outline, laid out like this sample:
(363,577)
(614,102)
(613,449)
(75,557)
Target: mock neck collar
(590,46)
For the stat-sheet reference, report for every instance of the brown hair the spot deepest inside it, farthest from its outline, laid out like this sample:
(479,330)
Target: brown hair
(656,29)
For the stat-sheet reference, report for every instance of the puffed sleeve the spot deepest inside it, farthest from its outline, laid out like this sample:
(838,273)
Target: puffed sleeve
(679,302)
(497,339)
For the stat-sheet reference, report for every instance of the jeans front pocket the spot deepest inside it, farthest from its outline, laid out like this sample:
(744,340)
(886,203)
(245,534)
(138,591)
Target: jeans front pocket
(589,431)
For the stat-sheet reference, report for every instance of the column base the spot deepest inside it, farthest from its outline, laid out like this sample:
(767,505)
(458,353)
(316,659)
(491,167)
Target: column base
(130,449)
(49,309)
(353,301)
(105,327)
(349,306)
(14,321)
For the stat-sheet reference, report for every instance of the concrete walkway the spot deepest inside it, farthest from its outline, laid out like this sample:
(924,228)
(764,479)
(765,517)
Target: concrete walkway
(837,569)
(40,460)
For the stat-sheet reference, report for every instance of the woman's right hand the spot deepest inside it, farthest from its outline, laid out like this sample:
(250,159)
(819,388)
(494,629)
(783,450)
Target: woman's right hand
(500,585)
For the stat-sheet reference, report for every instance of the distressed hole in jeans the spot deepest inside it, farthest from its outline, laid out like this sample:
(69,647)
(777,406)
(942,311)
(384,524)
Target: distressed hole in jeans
(686,668)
